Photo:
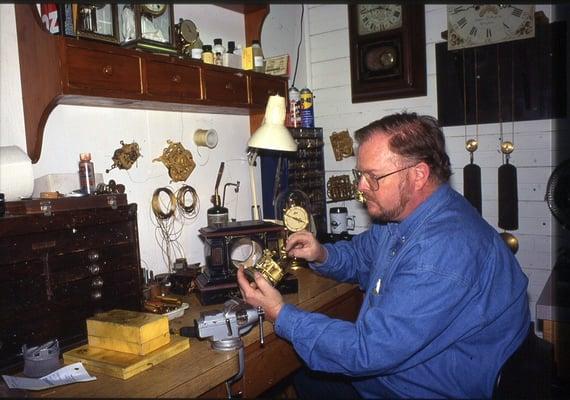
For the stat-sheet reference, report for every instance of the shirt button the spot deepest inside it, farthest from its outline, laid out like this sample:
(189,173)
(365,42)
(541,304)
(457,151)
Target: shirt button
(403,238)
(393,252)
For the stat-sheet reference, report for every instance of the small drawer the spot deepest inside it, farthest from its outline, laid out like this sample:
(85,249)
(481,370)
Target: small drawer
(101,72)
(173,80)
(228,88)
(263,87)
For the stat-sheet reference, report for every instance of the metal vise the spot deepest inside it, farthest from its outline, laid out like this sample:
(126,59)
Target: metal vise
(225,328)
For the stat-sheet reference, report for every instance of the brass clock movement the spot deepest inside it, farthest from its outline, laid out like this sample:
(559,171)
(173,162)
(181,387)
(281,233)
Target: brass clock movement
(387,51)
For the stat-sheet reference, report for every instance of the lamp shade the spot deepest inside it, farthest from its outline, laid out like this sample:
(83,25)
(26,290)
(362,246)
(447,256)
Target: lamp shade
(272,134)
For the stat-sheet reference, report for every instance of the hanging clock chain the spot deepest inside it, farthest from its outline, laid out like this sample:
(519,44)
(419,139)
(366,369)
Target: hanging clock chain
(500,104)
(471,144)
(465,103)
(476,97)
(513,94)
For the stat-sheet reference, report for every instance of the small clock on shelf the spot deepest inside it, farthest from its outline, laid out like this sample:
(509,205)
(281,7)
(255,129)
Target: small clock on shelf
(387,51)
(472,25)
(147,27)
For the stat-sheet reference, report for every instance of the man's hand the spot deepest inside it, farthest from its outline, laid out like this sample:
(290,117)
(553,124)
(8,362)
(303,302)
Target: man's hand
(304,245)
(260,293)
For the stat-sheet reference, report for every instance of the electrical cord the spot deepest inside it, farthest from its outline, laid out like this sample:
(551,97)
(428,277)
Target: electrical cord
(298,46)
(191,211)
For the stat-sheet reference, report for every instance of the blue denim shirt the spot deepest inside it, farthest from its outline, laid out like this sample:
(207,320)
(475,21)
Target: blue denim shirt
(445,305)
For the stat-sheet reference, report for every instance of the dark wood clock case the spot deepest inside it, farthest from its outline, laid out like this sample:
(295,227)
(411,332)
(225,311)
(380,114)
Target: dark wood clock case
(407,78)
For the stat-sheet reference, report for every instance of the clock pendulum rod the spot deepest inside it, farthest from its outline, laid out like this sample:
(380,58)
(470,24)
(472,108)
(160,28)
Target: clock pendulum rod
(508,193)
(471,172)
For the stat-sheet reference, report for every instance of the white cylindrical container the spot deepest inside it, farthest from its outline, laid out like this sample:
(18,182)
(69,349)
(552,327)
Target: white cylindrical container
(340,222)
(16,174)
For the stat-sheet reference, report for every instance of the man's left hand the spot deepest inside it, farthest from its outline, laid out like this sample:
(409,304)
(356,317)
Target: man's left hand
(260,294)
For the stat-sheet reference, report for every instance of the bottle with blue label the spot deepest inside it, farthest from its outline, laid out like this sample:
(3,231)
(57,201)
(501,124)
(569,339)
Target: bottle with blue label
(307,112)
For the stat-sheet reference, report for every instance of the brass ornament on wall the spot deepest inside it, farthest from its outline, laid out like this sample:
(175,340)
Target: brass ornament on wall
(178,160)
(340,188)
(342,145)
(126,156)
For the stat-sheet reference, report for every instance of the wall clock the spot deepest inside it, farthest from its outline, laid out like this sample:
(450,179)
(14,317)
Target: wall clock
(471,25)
(387,51)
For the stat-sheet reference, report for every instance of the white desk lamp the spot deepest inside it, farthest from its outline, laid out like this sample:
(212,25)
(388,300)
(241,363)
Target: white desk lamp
(271,135)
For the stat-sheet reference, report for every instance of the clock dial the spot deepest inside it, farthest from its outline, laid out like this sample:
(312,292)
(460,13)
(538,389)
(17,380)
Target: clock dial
(154,9)
(188,31)
(296,218)
(471,25)
(373,18)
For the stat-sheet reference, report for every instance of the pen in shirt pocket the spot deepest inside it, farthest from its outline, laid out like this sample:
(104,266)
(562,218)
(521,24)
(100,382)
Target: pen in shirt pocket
(376,290)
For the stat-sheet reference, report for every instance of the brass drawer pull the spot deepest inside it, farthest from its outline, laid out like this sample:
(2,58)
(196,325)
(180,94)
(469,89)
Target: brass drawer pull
(229,86)
(176,78)
(108,70)
(97,282)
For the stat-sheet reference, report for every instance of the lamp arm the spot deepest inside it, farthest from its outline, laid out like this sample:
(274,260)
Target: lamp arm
(251,157)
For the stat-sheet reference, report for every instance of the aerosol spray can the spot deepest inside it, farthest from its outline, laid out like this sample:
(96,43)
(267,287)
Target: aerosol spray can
(307,113)
(86,174)
(294,119)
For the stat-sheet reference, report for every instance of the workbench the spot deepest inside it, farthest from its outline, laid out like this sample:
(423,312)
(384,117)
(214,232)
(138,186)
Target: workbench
(202,372)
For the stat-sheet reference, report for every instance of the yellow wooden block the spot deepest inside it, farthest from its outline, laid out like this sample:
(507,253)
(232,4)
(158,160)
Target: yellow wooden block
(123,365)
(129,347)
(129,326)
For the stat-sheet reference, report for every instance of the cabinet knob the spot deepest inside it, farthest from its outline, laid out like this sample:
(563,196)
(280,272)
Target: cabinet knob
(108,70)
(96,295)
(94,269)
(229,86)
(97,282)
(93,256)
(176,78)
(271,92)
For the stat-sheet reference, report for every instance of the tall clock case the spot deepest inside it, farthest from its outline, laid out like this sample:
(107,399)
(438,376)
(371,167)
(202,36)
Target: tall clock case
(387,51)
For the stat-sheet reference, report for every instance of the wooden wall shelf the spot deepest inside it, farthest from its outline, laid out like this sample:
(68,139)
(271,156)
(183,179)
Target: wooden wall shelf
(58,69)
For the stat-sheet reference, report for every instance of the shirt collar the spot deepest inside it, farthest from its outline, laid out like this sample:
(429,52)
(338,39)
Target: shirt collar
(406,227)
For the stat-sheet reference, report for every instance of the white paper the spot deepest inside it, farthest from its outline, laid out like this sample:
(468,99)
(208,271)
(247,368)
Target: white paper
(69,374)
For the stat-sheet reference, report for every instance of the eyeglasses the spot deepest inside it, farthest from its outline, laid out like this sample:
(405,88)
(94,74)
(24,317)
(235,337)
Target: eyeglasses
(372,180)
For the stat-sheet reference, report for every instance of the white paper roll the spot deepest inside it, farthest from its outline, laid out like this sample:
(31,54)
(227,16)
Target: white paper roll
(16,174)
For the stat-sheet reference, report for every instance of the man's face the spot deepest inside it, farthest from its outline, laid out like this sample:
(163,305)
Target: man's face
(389,202)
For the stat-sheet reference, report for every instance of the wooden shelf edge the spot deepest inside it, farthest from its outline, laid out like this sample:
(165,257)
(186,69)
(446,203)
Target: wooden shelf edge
(37,50)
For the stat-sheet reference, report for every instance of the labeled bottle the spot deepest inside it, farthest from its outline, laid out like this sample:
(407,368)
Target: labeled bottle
(229,58)
(307,112)
(86,173)
(294,116)
(218,48)
(218,59)
(217,215)
(257,56)
(207,55)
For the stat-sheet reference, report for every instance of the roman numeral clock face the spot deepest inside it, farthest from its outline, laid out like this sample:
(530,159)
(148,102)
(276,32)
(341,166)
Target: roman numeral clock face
(471,25)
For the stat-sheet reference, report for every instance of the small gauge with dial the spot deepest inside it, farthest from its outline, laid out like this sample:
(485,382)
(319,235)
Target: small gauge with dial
(296,218)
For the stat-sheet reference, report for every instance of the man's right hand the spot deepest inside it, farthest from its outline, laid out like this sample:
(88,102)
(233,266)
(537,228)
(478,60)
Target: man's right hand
(304,245)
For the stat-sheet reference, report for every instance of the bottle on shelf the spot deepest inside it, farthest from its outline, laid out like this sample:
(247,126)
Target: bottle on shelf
(229,58)
(207,55)
(258,62)
(218,48)
(86,173)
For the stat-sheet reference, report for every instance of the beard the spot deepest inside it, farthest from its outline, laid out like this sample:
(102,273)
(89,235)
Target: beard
(391,214)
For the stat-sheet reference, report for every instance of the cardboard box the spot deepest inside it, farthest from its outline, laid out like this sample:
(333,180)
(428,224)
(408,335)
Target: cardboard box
(62,183)
(128,331)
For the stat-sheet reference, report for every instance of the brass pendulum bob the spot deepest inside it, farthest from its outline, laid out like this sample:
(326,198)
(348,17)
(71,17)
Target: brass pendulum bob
(472,177)
(511,241)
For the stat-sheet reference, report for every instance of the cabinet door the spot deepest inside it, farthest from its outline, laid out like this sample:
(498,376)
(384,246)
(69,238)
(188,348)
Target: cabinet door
(91,71)
(264,86)
(171,81)
(226,88)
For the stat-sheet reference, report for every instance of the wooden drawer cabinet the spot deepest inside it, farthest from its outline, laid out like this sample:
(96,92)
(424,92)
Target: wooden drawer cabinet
(170,81)
(58,270)
(102,73)
(227,87)
(264,86)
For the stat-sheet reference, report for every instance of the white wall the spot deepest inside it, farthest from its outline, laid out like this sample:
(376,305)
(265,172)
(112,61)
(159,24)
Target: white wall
(534,155)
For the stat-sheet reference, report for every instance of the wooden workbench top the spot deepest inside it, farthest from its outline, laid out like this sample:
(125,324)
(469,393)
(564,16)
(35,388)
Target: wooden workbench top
(198,369)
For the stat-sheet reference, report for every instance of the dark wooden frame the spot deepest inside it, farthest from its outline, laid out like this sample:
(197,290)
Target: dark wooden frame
(411,81)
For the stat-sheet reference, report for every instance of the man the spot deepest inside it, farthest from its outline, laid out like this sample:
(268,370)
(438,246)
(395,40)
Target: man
(445,303)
